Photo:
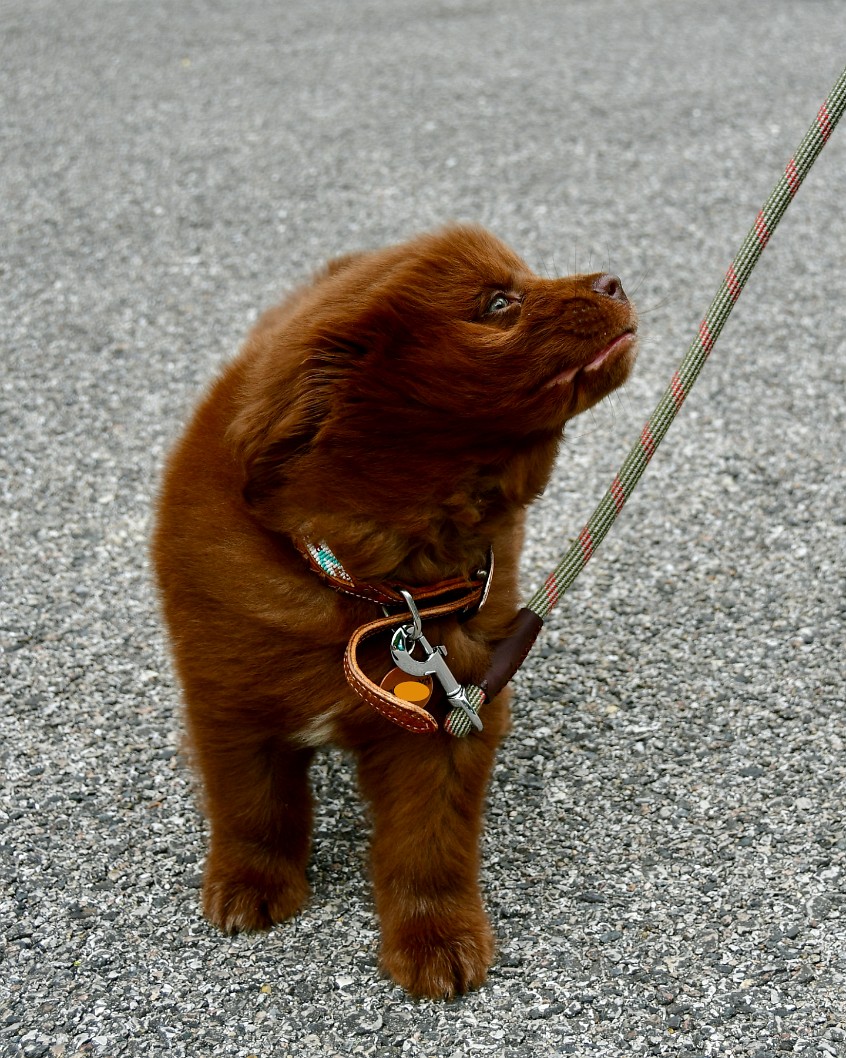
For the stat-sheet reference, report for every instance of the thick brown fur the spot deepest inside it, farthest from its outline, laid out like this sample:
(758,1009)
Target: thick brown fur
(405,407)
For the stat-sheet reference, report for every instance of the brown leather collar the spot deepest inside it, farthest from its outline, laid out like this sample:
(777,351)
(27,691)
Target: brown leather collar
(328,567)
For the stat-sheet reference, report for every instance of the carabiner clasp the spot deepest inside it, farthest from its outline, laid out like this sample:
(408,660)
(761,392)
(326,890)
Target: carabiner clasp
(433,663)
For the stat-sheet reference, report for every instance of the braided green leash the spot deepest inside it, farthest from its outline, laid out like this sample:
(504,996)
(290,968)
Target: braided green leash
(584,547)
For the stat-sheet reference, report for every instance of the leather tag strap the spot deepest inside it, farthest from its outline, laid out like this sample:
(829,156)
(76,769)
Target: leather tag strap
(408,715)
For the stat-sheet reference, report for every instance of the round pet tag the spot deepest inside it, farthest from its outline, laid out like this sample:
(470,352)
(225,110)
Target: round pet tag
(415,689)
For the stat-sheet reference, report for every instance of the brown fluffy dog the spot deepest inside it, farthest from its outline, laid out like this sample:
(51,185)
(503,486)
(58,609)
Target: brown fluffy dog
(405,407)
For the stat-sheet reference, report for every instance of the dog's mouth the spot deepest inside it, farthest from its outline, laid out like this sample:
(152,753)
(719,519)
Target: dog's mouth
(609,353)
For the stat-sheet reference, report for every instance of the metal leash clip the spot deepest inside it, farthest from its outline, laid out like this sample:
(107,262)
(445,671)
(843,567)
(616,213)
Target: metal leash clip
(403,642)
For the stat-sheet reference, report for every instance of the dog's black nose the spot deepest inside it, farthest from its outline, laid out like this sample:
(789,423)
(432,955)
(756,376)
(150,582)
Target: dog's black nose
(610,286)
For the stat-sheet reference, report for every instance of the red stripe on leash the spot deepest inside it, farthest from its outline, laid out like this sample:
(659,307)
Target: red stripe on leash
(677,389)
(824,122)
(617,494)
(733,283)
(792,175)
(705,337)
(647,442)
(761,229)
(551,589)
(587,543)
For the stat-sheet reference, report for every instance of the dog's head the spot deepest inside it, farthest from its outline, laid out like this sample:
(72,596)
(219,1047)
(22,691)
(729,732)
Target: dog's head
(460,326)
(444,348)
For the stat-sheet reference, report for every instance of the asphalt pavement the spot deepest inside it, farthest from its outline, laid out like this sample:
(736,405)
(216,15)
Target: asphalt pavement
(665,856)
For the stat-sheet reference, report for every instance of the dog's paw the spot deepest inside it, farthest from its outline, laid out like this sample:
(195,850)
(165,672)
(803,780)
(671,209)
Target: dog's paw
(433,959)
(239,901)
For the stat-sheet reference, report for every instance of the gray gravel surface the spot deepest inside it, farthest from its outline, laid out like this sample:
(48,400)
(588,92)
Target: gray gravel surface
(665,856)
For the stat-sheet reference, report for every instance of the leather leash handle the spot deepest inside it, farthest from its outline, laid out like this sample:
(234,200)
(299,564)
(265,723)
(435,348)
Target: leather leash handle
(510,654)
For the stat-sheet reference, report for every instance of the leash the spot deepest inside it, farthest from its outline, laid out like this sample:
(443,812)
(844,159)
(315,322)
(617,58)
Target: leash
(511,653)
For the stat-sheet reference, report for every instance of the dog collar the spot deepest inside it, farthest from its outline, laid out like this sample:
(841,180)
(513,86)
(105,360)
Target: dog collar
(326,564)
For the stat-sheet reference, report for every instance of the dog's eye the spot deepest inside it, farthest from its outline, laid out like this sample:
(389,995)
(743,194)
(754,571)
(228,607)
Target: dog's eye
(499,302)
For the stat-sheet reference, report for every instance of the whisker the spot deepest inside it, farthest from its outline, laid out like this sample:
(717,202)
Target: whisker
(654,308)
(638,284)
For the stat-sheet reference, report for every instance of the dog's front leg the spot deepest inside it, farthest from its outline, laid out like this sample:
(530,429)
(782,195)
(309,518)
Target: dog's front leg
(427,796)
(259,806)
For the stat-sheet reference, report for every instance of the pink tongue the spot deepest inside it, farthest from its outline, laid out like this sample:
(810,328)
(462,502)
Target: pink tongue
(604,353)
(571,372)
(565,377)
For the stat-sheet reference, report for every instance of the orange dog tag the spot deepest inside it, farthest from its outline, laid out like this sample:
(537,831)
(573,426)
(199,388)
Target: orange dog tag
(410,689)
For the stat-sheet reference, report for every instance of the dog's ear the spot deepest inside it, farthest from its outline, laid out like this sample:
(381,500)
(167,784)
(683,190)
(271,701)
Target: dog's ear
(293,388)
(272,424)
(304,362)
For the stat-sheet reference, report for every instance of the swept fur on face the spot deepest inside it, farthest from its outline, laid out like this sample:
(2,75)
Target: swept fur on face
(405,406)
